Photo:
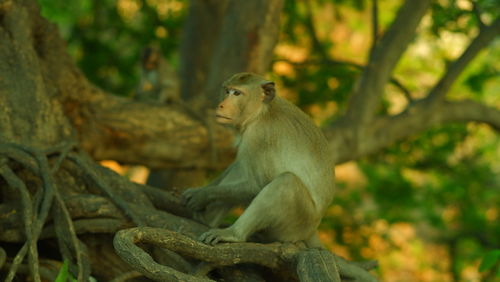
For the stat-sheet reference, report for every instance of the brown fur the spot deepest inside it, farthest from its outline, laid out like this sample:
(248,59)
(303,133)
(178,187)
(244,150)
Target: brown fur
(283,168)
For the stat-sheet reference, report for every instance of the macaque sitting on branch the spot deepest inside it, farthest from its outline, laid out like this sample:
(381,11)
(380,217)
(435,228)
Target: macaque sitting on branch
(283,170)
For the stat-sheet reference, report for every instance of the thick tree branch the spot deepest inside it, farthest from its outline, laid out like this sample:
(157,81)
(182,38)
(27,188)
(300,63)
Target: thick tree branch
(175,149)
(469,111)
(115,128)
(485,36)
(125,245)
(375,27)
(421,117)
(365,98)
(277,256)
(387,130)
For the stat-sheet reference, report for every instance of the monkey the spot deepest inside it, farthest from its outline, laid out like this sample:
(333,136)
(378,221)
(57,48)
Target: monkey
(283,171)
(159,81)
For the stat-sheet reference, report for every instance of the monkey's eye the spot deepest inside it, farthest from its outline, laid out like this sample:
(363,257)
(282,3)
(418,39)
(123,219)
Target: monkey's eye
(234,92)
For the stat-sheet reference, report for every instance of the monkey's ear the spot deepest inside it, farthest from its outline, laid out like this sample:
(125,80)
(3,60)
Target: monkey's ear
(269,91)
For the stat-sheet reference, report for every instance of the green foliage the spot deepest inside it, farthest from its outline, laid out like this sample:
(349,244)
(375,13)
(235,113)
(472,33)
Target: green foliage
(477,80)
(426,180)
(64,12)
(485,71)
(318,79)
(448,15)
(490,259)
(323,82)
(64,275)
(391,191)
(293,18)
(107,37)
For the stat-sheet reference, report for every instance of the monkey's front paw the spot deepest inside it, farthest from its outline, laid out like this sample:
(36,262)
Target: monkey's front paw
(194,199)
(214,236)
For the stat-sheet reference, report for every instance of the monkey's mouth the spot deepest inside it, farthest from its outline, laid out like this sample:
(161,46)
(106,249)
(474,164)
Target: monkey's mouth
(222,117)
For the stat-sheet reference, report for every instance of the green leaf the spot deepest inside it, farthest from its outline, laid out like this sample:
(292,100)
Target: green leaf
(489,260)
(63,274)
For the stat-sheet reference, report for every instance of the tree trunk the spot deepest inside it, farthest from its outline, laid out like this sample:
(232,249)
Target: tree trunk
(28,113)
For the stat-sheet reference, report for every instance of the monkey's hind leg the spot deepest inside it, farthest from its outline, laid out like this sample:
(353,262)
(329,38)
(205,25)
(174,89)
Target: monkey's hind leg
(213,214)
(284,210)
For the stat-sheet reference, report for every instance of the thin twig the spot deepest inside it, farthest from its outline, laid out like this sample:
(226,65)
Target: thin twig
(486,35)
(476,10)
(311,28)
(375,26)
(403,89)
(394,81)
(365,98)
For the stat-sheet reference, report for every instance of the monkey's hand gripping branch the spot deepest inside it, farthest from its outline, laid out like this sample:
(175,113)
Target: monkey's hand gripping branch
(216,235)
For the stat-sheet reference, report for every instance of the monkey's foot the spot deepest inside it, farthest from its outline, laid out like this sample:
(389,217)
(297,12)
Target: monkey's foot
(214,236)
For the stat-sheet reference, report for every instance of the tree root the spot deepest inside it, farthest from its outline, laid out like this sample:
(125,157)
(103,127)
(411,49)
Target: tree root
(3,257)
(311,264)
(35,211)
(96,176)
(47,272)
(30,208)
(126,276)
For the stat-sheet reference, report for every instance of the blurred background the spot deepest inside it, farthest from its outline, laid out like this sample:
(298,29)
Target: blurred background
(427,208)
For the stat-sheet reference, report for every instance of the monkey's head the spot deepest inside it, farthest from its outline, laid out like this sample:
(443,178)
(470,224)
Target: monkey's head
(150,58)
(245,96)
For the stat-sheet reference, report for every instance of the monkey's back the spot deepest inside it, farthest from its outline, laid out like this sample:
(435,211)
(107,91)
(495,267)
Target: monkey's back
(285,139)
